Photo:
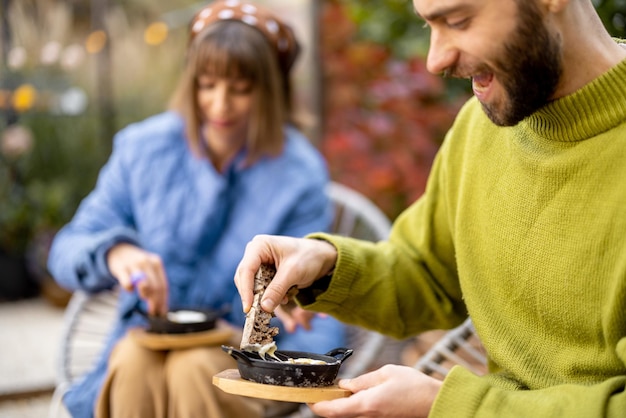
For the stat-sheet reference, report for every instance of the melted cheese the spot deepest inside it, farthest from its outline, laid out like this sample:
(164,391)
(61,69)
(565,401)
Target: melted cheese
(264,349)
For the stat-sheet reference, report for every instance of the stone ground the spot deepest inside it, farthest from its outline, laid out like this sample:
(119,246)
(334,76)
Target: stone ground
(30,336)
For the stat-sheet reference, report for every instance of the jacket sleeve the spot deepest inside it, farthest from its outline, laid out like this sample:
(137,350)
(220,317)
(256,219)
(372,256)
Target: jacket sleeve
(308,207)
(468,395)
(77,258)
(311,212)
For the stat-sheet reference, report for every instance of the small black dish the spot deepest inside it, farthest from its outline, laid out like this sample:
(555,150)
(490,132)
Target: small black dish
(283,373)
(181,321)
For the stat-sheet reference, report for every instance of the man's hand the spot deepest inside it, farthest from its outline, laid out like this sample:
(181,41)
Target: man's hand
(391,391)
(135,268)
(298,261)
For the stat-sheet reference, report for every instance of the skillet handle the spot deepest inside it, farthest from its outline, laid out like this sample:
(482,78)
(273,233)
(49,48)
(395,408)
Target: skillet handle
(237,354)
(340,353)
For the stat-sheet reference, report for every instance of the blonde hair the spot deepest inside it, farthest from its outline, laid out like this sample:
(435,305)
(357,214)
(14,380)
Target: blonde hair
(232,49)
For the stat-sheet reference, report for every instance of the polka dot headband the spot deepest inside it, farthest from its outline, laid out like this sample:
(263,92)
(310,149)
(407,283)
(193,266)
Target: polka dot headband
(279,35)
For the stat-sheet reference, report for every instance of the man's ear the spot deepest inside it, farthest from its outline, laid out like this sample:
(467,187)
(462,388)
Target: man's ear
(554,6)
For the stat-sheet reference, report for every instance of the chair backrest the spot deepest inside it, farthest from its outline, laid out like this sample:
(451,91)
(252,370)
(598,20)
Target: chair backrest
(459,346)
(89,317)
(355,215)
(358,217)
(88,320)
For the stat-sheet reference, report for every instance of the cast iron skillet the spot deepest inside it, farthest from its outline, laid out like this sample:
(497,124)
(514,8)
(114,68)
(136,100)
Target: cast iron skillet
(164,325)
(274,372)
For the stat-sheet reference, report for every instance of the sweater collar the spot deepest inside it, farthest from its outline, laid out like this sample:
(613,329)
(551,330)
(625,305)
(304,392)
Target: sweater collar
(597,107)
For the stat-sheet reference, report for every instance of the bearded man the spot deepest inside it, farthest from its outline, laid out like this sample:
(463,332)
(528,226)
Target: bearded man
(522,227)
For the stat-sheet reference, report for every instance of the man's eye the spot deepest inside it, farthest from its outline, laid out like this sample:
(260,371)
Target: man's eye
(458,24)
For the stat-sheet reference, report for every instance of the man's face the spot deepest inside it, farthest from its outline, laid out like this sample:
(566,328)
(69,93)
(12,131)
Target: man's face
(502,45)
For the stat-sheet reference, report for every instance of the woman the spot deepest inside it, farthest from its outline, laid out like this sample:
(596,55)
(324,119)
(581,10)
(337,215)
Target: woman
(173,208)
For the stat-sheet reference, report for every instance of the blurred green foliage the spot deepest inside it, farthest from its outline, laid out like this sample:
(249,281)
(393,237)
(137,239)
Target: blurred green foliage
(394,23)
(40,189)
(381,133)
(613,14)
(58,155)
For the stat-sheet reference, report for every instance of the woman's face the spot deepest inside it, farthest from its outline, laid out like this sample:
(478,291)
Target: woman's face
(226,105)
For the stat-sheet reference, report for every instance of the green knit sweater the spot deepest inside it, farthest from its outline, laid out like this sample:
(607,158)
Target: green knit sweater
(524,228)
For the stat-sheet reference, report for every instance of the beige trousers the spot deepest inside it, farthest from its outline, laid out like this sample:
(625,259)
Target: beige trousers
(144,383)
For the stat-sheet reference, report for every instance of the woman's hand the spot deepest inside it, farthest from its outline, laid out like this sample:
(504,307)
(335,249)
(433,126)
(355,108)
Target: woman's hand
(292,315)
(136,268)
(391,391)
(298,261)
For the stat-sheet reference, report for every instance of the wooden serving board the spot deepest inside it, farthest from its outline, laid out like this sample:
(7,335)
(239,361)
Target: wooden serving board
(231,382)
(155,341)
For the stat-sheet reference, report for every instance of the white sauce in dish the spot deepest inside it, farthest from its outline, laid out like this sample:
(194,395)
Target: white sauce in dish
(305,361)
(186,317)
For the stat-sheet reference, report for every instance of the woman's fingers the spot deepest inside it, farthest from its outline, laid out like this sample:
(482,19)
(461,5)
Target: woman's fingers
(154,290)
(292,315)
(140,270)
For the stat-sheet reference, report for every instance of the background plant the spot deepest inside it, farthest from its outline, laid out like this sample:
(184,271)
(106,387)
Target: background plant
(53,50)
(385,116)
(54,139)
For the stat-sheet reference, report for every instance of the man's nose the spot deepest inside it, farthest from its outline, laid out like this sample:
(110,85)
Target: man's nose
(441,54)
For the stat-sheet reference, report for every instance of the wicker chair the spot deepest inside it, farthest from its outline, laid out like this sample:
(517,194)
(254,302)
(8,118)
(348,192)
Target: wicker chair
(89,318)
(459,346)
(88,321)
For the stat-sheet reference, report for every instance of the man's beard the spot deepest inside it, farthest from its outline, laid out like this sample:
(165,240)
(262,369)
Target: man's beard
(529,71)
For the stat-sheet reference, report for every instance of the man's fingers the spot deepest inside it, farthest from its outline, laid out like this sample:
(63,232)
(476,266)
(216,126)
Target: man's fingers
(362,382)
(274,294)
(258,251)
(298,262)
(244,281)
(342,407)
(356,405)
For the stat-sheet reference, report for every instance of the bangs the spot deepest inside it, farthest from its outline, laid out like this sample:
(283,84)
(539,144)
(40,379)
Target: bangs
(222,53)
(231,49)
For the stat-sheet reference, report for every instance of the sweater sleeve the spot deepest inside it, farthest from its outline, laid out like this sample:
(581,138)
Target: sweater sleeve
(402,286)
(472,396)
